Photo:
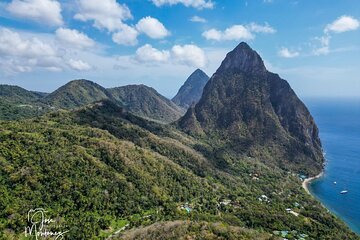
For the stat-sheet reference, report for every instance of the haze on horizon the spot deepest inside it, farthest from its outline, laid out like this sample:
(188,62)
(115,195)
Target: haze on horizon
(46,43)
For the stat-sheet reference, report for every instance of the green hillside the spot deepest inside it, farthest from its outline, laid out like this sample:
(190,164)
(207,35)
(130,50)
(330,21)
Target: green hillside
(76,93)
(231,168)
(147,102)
(99,168)
(18,103)
(15,94)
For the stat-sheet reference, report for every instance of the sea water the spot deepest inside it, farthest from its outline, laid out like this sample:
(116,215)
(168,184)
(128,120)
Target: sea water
(339,125)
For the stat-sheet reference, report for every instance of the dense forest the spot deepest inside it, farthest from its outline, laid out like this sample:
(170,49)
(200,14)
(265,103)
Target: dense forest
(96,163)
(18,103)
(99,168)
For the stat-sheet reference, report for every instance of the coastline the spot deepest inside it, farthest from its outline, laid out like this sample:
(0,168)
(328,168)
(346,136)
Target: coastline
(307,181)
(305,185)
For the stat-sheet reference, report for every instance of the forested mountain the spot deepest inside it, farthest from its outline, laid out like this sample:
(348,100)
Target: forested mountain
(15,94)
(147,102)
(77,93)
(101,171)
(18,103)
(190,93)
(256,113)
(100,168)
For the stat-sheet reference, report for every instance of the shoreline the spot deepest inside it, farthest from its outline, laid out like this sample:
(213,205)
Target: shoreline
(305,185)
(307,181)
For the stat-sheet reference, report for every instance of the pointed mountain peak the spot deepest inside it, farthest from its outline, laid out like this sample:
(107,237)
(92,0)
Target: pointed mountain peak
(191,91)
(243,59)
(198,73)
(250,109)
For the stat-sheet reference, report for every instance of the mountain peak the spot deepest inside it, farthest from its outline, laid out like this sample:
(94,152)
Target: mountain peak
(77,93)
(146,102)
(197,76)
(191,91)
(255,110)
(198,71)
(242,59)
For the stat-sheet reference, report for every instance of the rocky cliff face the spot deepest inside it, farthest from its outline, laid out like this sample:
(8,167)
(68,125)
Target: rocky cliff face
(256,113)
(190,93)
(243,59)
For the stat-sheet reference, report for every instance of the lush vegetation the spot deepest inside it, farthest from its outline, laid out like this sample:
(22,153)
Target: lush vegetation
(13,111)
(76,94)
(146,102)
(182,230)
(17,94)
(100,168)
(18,103)
(102,172)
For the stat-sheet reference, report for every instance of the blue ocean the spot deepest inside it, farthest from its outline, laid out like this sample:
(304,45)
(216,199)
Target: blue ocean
(339,125)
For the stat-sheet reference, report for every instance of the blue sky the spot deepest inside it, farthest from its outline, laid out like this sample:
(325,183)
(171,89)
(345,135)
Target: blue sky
(315,45)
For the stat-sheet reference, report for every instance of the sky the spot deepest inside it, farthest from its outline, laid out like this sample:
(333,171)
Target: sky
(315,45)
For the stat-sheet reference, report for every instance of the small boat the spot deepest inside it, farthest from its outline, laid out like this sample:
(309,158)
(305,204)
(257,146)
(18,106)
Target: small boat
(335,183)
(344,192)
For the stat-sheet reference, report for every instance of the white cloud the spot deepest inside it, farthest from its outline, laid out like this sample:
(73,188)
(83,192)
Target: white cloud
(213,34)
(343,24)
(324,48)
(106,14)
(197,19)
(340,25)
(79,65)
(254,27)
(18,53)
(43,11)
(286,53)
(148,54)
(109,15)
(236,32)
(152,28)
(11,67)
(74,38)
(11,44)
(29,52)
(126,36)
(199,4)
(189,55)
